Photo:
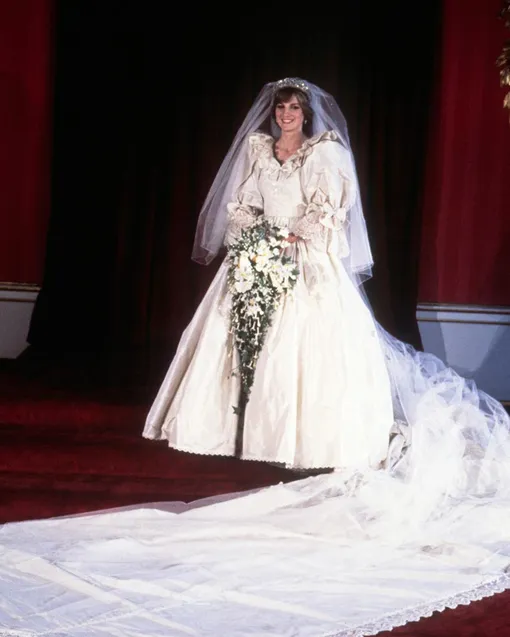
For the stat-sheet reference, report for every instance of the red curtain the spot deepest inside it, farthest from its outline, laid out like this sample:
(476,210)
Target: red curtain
(465,252)
(25,103)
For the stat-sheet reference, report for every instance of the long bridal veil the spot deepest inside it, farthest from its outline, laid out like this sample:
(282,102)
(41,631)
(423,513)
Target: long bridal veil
(450,440)
(339,554)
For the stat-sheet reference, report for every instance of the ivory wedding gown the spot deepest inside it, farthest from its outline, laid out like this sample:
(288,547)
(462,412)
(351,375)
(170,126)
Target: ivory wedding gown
(321,395)
(343,554)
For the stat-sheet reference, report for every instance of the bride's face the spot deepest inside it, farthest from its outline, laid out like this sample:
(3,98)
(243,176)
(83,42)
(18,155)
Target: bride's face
(289,115)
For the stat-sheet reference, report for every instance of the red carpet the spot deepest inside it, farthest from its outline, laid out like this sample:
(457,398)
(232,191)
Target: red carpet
(70,448)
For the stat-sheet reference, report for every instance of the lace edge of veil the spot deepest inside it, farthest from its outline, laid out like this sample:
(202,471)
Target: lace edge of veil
(415,613)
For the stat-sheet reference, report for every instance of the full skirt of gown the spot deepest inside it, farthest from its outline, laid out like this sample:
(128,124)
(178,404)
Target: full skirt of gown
(321,395)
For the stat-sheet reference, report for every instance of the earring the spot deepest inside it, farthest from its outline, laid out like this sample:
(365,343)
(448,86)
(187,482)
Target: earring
(306,121)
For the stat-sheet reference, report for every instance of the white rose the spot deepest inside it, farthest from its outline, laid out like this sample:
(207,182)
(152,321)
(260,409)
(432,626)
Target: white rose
(262,262)
(243,285)
(244,264)
(262,247)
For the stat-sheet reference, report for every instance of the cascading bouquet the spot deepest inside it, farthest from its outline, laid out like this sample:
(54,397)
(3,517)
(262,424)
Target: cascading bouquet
(259,275)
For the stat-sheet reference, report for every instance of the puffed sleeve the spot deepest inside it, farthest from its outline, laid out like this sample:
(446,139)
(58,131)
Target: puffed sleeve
(329,192)
(247,203)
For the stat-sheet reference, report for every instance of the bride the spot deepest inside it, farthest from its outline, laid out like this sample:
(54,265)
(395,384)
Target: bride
(415,516)
(321,360)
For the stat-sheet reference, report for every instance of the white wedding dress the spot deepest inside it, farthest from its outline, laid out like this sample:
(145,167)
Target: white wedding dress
(342,554)
(321,395)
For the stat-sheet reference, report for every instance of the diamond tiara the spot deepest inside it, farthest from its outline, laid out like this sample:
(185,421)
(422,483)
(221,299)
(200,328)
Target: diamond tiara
(292,82)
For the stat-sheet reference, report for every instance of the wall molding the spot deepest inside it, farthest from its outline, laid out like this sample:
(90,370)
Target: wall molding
(8,286)
(465,308)
(472,339)
(475,314)
(17,302)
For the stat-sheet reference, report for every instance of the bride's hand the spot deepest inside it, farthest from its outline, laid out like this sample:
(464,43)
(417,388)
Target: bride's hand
(290,251)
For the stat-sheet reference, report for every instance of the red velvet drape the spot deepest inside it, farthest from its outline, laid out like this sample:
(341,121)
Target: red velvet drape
(25,98)
(465,256)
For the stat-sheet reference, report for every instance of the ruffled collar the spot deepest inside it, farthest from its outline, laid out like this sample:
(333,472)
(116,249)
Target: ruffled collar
(262,147)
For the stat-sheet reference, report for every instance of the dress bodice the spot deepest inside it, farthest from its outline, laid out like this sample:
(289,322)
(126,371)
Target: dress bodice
(309,193)
(282,186)
(282,196)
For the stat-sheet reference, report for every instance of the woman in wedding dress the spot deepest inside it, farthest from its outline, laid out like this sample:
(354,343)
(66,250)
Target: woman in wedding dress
(321,395)
(416,515)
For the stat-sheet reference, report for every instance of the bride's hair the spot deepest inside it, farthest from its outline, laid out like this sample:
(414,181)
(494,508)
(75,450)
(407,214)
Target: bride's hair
(284,95)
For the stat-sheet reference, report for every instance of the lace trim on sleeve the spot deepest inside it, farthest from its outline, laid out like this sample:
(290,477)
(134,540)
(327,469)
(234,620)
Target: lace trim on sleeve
(317,224)
(239,217)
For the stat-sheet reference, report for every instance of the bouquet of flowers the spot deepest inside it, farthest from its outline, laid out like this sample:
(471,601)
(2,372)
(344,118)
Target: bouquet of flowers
(259,275)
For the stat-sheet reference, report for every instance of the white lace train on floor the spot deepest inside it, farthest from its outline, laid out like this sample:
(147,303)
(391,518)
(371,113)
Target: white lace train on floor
(341,554)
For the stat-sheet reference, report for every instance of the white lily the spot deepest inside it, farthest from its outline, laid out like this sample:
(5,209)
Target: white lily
(243,285)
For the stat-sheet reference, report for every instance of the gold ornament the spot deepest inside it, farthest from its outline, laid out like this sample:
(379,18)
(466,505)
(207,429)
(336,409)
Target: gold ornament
(503,61)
